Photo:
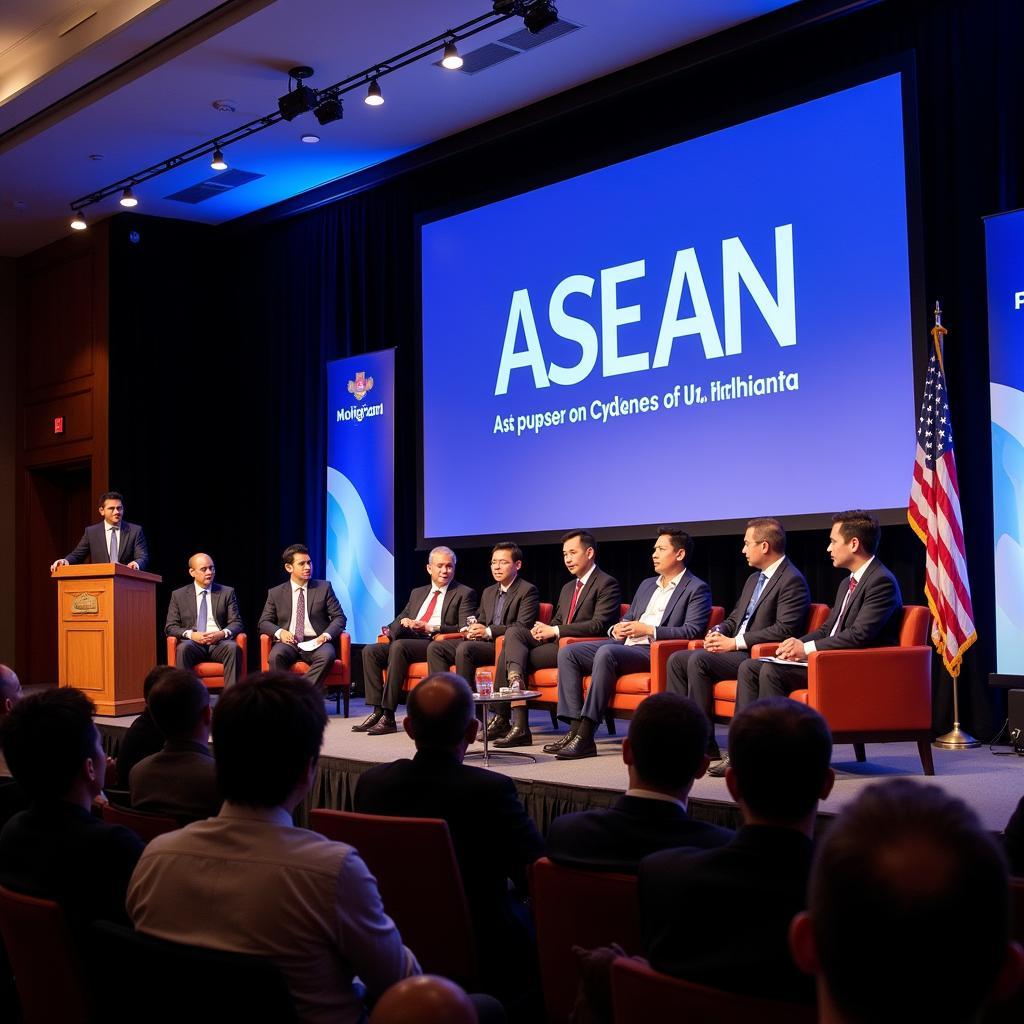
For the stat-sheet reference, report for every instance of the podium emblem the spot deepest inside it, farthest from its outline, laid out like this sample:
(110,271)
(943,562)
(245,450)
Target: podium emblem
(360,385)
(85,604)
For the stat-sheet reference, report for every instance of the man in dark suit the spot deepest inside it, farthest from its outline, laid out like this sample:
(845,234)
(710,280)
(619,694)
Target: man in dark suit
(664,753)
(112,540)
(509,600)
(443,606)
(773,605)
(494,839)
(674,605)
(303,610)
(758,882)
(866,614)
(587,606)
(205,618)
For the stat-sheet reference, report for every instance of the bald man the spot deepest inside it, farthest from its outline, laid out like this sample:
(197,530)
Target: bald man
(204,617)
(12,797)
(10,694)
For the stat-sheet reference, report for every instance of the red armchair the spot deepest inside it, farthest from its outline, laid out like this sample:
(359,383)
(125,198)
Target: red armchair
(210,672)
(337,682)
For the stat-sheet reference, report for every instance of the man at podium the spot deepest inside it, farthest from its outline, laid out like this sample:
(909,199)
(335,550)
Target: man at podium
(111,540)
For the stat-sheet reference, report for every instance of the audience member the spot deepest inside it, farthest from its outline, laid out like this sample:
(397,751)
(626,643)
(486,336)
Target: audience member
(664,753)
(908,914)
(143,737)
(12,797)
(249,881)
(494,839)
(180,779)
(57,849)
(778,772)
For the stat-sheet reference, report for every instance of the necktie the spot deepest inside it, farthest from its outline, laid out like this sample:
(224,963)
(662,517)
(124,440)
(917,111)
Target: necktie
(113,545)
(761,581)
(430,607)
(201,618)
(300,615)
(575,598)
(499,608)
(842,610)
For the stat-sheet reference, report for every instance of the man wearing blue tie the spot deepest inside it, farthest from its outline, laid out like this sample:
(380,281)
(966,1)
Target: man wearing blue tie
(112,540)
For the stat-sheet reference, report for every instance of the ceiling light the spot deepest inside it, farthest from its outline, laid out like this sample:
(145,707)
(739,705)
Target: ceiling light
(539,15)
(373,96)
(310,138)
(329,109)
(128,197)
(451,59)
(78,222)
(218,163)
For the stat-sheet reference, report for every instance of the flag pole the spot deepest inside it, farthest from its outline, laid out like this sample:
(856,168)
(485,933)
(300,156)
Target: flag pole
(956,738)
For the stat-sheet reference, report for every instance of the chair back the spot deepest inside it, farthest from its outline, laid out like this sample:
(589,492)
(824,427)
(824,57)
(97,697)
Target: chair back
(546,610)
(423,894)
(165,982)
(48,975)
(641,994)
(717,616)
(145,826)
(915,626)
(816,616)
(578,908)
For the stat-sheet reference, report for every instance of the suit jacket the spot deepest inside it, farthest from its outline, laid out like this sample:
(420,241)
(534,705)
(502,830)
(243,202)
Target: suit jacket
(780,612)
(322,607)
(686,614)
(753,886)
(458,604)
(522,605)
(93,545)
(872,617)
(597,609)
(179,780)
(618,838)
(181,612)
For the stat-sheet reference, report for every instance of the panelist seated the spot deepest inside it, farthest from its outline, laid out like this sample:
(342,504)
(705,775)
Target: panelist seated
(587,606)
(110,540)
(443,606)
(674,605)
(302,611)
(205,619)
(510,600)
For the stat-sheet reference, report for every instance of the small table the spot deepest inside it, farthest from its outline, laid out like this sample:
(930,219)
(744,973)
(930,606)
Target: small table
(501,698)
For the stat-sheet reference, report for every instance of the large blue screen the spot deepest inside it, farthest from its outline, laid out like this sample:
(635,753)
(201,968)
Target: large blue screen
(712,331)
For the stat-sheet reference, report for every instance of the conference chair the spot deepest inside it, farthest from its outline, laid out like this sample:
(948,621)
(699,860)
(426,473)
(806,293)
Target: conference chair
(641,994)
(49,977)
(578,908)
(145,825)
(337,682)
(424,895)
(210,672)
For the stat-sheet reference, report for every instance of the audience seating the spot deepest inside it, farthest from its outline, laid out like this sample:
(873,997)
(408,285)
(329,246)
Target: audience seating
(337,682)
(49,978)
(211,672)
(641,994)
(145,825)
(414,863)
(579,908)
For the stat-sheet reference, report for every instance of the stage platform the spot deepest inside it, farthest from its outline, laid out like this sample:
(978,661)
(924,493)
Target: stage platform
(990,784)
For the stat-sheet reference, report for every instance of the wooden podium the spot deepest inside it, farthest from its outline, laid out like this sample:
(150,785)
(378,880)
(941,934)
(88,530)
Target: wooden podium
(106,621)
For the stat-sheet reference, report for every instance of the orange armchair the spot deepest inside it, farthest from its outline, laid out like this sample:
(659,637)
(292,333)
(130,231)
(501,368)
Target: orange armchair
(337,682)
(210,672)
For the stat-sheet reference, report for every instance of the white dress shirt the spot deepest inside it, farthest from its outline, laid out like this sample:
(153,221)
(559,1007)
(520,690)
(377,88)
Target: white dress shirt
(211,620)
(434,622)
(307,627)
(655,610)
(769,572)
(584,579)
(109,530)
(809,646)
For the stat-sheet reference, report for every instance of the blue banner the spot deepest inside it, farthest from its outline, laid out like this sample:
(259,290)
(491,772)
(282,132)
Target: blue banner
(361,489)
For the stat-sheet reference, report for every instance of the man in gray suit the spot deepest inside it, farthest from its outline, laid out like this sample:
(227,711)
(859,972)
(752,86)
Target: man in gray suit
(205,619)
(302,611)
(112,540)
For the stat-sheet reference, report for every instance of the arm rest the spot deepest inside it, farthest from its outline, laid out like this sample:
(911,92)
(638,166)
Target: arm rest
(661,651)
(564,641)
(873,688)
(172,647)
(448,636)
(764,650)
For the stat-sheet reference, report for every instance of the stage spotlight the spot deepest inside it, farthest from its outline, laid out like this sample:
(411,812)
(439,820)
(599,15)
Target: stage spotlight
(78,222)
(539,15)
(128,197)
(300,99)
(451,59)
(373,96)
(218,163)
(329,109)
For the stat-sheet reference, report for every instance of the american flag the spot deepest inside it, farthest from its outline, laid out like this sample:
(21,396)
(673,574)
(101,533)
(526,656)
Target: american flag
(934,515)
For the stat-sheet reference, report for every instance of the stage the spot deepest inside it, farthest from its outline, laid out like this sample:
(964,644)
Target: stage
(990,784)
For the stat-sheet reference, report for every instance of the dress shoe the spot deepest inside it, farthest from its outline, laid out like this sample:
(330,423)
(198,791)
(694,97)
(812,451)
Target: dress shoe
(383,727)
(579,746)
(717,771)
(497,727)
(559,744)
(369,721)
(515,679)
(517,736)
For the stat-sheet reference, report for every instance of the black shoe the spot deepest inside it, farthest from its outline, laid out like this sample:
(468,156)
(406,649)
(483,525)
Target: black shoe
(514,678)
(369,721)
(559,744)
(384,726)
(579,746)
(517,736)
(717,771)
(497,727)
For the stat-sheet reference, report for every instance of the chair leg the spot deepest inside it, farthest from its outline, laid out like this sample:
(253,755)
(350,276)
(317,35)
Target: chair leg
(859,752)
(554,719)
(924,748)
(609,720)
(345,694)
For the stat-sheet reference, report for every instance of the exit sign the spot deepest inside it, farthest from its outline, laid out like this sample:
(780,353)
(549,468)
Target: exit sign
(58,424)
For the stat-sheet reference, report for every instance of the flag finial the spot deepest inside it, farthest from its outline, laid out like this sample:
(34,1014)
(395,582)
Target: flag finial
(938,314)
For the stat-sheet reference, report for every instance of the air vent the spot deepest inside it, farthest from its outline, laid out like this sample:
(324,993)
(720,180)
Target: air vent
(526,40)
(215,186)
(487,56)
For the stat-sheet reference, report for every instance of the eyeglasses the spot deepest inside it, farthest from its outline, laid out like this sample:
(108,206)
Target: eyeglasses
(500,561)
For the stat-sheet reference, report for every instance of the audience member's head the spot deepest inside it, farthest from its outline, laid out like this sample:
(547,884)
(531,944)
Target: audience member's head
(665,748)
(779,752)
(155,674)
(267,733)
(424,999)
(53,749)
(10,690)
(180,706)
(908,912)
(439,715)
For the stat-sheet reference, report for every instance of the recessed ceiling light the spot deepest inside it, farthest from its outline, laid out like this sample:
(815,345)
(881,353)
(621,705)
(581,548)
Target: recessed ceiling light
(225,106)
(310,138)
(95,156)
